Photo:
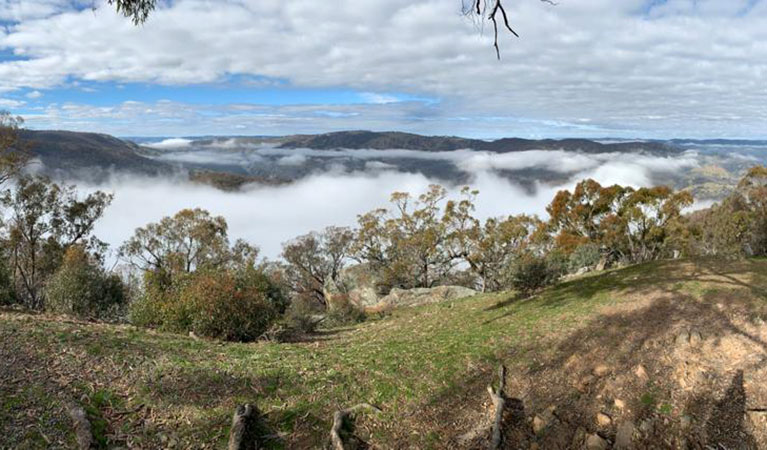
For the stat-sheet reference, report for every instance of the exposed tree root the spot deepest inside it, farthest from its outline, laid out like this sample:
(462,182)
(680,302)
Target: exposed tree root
(499,401)
(338,422)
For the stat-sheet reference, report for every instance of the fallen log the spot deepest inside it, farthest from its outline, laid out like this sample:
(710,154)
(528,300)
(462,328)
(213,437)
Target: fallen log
(338,422)
(499,402)
(244,434)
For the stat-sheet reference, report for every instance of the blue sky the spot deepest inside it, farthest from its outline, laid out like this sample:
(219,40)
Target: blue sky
(635,68)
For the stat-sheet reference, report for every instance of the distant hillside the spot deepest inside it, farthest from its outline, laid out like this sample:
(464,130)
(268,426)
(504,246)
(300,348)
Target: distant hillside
(70,151)
(408,141)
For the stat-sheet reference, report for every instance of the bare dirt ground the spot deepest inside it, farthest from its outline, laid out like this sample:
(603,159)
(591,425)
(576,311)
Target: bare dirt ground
(674,365)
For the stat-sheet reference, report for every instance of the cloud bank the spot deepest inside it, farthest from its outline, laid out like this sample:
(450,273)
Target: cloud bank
(270,215)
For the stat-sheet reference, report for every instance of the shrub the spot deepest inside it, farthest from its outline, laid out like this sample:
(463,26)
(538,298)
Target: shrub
(586,255)
(343,313)
(83,289)
(531,273)
(7,292)
(216,303)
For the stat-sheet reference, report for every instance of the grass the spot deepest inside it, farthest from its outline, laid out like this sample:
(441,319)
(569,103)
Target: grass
(143,388)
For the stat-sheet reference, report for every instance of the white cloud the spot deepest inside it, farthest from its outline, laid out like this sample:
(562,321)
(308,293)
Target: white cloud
(581,67)
(170,144)
(10,103)
(270,215)
(34,94)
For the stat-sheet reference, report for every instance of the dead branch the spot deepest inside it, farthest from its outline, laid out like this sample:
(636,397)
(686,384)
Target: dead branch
(497,6)
(243,434)
(338,422)
(499,401)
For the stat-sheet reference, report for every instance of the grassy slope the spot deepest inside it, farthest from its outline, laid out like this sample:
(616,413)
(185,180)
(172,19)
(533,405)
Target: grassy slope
(418,365)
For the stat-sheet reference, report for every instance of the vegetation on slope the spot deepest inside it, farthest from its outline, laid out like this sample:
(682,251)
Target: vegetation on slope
(425,367)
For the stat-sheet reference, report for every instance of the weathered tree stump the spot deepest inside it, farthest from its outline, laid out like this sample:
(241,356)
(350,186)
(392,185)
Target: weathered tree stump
(499,402)
(83,433)
(338,423)
(244,432)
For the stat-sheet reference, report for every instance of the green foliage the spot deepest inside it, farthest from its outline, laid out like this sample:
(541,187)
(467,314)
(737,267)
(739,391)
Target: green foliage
(81,288)
(314,260)
(216,303)
(586,255)
(45,220)
(344,313)
(531,273)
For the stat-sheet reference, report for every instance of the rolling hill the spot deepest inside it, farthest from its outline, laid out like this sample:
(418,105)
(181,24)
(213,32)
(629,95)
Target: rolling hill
(661,355)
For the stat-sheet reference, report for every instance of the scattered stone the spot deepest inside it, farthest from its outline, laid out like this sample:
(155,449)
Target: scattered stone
(544,420)
(620,404)
(584,382)
(683,338)
(604,420)
(641,373)
(534,446)
(596,442)
(695,338)
(601,370)
(624,436)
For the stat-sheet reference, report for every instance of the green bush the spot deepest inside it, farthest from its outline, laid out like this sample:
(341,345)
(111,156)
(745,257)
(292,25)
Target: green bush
(531,273)
(343,313)
(221,304)
(83,289)
(586,255)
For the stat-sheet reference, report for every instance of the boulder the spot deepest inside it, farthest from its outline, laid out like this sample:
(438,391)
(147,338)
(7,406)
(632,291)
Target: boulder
(424,296)
(358,285)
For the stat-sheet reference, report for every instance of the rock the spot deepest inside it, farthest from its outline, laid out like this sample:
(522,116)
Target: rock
(601,370)
(544,420)
(358,285)
(603,420)
(424,296)
(584,383)
(596,442)
(602,264)
(641,373)
(620,404)
(683,338)
(624,436)
(695,338)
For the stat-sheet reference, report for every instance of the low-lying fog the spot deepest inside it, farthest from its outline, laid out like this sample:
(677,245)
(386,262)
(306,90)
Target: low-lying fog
(335,192)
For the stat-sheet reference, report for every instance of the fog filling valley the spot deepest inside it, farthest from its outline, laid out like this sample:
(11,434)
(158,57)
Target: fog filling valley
(332,187)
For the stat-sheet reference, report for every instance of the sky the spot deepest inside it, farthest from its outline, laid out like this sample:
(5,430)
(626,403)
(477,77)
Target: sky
(581,68)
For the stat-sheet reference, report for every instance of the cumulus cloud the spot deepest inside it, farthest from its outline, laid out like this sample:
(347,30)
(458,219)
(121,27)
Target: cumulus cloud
(595,67)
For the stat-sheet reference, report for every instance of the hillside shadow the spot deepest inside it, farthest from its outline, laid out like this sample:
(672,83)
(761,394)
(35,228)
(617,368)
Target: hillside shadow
(632,335)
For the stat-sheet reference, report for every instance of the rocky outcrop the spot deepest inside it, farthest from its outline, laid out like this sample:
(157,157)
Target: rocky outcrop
(358,285)
(424,296)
